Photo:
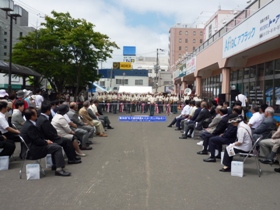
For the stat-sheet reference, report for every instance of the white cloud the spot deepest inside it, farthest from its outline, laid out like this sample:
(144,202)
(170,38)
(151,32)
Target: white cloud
(111,20)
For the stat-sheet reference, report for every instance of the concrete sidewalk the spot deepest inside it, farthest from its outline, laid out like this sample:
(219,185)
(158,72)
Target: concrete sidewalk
(142,166)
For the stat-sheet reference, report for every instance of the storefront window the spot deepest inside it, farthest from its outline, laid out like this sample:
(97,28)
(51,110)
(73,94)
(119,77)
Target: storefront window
(269,68)
(268,88)
(277,95)
(246,73)
(277,67)
(252,93)
(240,74)
(260,71)
(246,89)
(234,75)
(253,71)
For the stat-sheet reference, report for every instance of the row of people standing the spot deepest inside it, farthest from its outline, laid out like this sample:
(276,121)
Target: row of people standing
(143,103)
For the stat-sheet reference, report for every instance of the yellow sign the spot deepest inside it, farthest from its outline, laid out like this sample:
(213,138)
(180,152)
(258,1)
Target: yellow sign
(125,65)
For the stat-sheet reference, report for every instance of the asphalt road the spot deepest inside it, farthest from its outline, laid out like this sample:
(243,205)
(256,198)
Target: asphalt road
(142,166)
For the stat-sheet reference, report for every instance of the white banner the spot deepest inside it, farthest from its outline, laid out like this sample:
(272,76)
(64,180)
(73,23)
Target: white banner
(191,66)
(263,25)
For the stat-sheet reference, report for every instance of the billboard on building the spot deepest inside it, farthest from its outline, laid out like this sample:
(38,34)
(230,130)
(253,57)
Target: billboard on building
(125,65)
(129,51)
(263,25)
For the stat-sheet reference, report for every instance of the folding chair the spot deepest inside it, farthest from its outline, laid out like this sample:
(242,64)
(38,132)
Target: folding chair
(253,153)
(25,157)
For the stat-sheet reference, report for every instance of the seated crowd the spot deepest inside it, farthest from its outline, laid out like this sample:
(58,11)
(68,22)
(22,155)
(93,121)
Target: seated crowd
(49,127)
(219,125)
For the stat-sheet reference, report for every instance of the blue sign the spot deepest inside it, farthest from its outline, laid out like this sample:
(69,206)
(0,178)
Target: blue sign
(142,118)
(129,50)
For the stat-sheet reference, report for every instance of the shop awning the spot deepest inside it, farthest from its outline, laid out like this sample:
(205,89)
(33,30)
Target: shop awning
(17,69)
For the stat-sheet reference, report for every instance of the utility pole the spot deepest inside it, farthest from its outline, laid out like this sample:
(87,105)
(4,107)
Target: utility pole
(157,69)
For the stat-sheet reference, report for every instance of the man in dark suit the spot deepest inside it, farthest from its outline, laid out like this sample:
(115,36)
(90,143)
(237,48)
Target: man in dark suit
(40,147)
(216,142)
(267,126)
(221,127)
(203,115)
(49,132)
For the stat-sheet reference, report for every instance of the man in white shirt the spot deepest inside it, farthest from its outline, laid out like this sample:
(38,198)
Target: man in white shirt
(6,144)
(243,99)
(151,102)
(93,106)
(256,119)
(184,114)
(38,99)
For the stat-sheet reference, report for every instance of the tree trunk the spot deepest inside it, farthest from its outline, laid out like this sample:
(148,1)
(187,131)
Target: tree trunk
(77,83)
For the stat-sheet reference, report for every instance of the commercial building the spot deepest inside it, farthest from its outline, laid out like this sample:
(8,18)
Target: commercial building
(182,41)
(159,79)
(244,56)
(20,28)
(112,79)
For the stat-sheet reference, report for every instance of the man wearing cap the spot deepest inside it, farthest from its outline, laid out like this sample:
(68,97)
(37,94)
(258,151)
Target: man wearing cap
(20,96)
(3,94)
(228,137)
(243,143)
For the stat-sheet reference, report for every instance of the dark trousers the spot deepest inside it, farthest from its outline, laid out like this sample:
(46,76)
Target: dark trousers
(68,148)
(152,110)
(8,147)
(57,156)
(217,142)
(173,121)
(82,135)
(178,121)
(146,108)
(175,108)
(138,106)
(227,160)
(105,119)
(205,136)
(128,108)
(15,138)
(189,129)
(133,107)
(160,107)
(12,136)
(115,104)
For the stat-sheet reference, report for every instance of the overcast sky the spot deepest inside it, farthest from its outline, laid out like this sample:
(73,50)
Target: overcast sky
(141,23)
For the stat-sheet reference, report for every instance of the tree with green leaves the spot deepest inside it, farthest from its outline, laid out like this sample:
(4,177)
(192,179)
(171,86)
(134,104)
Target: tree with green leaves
(65,51)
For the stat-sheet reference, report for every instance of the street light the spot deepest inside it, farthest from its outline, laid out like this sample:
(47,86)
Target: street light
(157,68)
(13,11)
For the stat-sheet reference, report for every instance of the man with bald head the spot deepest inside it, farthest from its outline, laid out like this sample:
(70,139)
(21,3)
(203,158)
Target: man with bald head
(73,116)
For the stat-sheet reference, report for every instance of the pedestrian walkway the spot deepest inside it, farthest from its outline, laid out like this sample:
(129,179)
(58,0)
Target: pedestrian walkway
(142,166)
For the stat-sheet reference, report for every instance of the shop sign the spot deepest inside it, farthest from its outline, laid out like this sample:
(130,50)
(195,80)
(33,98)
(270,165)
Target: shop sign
(191,66)
(263,25)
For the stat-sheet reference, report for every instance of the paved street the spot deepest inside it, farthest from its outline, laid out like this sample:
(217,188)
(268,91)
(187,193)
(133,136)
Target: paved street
(142,166)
